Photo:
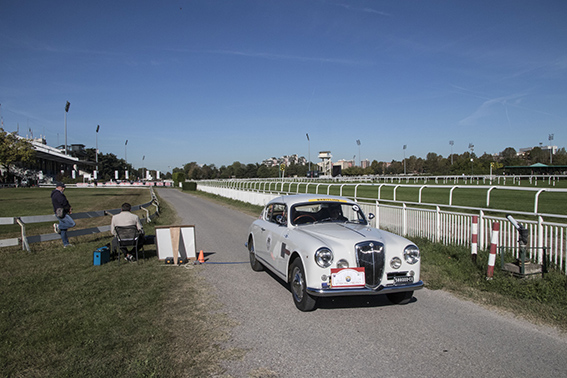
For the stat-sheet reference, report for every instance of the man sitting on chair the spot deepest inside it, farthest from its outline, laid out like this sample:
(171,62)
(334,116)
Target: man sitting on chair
(125,219)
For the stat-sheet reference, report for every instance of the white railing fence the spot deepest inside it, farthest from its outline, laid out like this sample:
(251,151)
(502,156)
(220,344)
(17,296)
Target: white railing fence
(448,227)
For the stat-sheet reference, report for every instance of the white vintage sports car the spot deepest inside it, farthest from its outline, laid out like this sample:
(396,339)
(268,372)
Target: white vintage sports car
(324,246)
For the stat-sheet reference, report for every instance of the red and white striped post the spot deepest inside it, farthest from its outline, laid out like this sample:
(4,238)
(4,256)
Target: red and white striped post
(474,244)
(493,247)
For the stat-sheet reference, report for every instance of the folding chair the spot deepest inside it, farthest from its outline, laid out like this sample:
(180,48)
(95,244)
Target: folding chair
(129,236)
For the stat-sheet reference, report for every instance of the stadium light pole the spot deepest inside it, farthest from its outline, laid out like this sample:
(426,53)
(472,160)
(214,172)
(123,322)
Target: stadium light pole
(359,157)
(67,105)
(96,154)
(308,153)
(471,147)
(550,149)
(452,143)
(405,146)
(125,152)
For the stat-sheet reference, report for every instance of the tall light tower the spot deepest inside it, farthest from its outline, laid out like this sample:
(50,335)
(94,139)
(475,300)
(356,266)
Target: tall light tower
(96,157)
(359,158)
(66,111)
(471,147)
(405,146)
(308,153)
(550,149)
(126,161)
(452,143)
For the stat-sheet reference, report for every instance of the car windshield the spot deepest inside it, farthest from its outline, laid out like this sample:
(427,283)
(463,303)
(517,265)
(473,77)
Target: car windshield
(326,211)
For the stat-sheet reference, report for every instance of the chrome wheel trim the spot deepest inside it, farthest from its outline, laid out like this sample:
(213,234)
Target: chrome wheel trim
(297,284)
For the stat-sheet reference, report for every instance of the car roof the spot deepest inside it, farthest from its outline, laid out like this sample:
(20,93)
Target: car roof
(293,199)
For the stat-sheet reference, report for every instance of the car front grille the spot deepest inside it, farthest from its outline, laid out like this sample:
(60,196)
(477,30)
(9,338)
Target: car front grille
(370,256)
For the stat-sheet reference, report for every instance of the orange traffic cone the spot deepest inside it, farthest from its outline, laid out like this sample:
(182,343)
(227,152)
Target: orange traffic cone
(201,257)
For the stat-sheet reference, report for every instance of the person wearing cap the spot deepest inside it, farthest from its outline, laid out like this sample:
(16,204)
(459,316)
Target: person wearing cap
(62,209)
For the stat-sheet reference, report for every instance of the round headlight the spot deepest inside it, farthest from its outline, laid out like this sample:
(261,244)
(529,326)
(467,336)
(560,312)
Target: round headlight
(324,257)
(396,262)
(411,254)
(341,264)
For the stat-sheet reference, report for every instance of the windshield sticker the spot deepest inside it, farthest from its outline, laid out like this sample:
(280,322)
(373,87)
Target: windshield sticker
(327,200)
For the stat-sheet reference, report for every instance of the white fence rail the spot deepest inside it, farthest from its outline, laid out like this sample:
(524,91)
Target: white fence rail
(444,226)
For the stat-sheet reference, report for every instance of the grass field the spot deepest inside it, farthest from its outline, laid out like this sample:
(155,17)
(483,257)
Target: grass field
(60,316)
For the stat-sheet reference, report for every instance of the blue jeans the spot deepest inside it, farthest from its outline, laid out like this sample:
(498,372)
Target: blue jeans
(64,224)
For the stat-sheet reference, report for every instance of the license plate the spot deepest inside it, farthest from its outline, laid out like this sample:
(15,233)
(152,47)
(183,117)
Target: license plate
(347,277)
(403,280)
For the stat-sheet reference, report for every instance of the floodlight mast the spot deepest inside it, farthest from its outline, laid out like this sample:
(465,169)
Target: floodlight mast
(96,154)
(309,153)
(67,105)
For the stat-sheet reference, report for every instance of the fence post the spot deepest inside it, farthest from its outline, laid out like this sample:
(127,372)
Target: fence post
(377,215)
(437,224)
(481,229)
(404,220)
(25,244)
(493,248)
(540,241)
(474,244)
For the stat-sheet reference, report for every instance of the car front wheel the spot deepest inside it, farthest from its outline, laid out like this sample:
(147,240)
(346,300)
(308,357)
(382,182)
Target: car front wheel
(303,301)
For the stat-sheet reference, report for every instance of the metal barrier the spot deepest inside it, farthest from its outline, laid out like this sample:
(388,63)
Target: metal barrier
(27,240)
(428,220)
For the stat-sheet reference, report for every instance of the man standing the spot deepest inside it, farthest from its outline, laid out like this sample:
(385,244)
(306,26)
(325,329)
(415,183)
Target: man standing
(62,209)
(124,219)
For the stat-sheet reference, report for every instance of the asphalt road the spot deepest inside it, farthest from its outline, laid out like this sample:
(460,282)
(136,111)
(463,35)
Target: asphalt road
(434,335)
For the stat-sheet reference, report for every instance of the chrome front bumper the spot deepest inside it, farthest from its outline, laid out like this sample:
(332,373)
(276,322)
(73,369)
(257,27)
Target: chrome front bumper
(320,292)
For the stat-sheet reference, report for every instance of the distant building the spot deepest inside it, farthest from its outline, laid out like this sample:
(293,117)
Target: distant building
(286,159)
(326,165)
(526,150)
(51,161)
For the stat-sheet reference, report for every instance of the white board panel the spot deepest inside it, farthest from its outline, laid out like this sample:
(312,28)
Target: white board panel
(186,245)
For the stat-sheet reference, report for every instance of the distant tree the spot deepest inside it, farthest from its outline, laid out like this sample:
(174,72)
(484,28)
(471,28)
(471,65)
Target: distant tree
(537,155)
(14,150)
(109,163)
(178,177)
(353,171)
(433,163)
(560,157)
(395,168)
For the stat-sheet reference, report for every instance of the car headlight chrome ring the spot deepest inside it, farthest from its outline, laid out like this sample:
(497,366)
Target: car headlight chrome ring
(341,264)
(411,254)
(324,257)
(396,262)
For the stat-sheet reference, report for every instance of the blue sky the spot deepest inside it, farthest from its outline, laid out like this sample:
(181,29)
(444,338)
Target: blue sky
(221,81)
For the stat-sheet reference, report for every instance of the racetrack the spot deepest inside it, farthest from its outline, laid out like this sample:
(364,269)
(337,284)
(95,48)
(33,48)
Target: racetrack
(434,335)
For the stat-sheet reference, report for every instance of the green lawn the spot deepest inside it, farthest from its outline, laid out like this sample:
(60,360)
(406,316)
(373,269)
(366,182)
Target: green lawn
(61,316)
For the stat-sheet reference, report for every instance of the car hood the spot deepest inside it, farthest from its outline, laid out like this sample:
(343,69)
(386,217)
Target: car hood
(341,233)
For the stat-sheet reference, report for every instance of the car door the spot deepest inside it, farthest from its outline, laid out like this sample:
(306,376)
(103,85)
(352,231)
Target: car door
(275,237)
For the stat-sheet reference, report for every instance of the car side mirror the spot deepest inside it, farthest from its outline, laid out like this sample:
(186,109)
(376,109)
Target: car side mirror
(371,216)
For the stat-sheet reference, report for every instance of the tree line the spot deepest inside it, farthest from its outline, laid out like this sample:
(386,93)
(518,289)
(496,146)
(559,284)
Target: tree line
(15,151)
(456,164)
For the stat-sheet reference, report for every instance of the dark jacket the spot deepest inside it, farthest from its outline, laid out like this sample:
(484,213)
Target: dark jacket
(58,199)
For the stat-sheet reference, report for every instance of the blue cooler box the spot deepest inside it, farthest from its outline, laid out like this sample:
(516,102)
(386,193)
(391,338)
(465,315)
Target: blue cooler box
(101,256)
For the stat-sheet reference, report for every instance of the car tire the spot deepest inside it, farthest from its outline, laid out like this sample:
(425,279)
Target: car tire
(303,301)
(400,298)
(254,263)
